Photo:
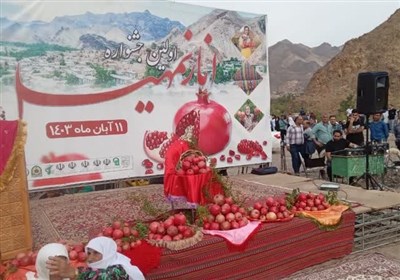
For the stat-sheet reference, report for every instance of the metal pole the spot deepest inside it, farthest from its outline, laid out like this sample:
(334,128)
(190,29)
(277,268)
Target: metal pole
(283,157)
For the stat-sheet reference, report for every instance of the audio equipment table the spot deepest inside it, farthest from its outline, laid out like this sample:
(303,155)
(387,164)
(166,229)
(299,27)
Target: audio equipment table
(355,165)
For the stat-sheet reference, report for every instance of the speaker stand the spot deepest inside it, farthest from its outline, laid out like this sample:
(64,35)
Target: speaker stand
(283,156)
(370,181)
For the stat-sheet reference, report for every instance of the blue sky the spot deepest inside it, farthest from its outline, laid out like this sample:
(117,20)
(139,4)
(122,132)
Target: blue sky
(307,22)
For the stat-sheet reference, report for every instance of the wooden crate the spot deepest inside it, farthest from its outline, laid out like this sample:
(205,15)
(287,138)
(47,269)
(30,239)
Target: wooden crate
(15,224)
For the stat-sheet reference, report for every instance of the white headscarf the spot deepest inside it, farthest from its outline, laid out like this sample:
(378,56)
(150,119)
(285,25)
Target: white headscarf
(49,250)
(108,248)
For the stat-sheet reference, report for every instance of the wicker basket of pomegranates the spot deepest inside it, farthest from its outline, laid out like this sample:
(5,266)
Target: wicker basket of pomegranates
(192,162)
(173,233)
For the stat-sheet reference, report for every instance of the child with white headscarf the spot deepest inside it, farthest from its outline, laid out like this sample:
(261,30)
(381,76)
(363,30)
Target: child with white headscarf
(110,257)
(49,250)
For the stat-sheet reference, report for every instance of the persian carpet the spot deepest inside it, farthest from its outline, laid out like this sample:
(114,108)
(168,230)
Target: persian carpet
(75,217)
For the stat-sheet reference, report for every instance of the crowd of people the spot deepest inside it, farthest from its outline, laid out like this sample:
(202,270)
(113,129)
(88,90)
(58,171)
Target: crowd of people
(304,135)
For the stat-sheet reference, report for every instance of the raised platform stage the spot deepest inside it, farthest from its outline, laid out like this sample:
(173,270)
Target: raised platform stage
(277,250)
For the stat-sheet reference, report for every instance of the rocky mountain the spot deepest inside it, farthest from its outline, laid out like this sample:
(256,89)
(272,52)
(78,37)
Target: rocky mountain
(292,65)
(96,42)
(67,30)
(378,50)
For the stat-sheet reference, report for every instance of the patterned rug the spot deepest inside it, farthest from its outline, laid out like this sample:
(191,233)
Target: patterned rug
(363,266)
(77,216)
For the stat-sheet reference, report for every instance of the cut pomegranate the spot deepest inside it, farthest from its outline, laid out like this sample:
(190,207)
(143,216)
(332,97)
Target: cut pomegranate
(188,126)
(156,144)
(154,139)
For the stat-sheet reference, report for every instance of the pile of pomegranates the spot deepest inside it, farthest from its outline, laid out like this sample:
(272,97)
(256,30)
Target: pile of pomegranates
(274,209)
(224,214)
(310,202)
(24,259)
(191,164)
(174,228)
(76,252)
(125,234)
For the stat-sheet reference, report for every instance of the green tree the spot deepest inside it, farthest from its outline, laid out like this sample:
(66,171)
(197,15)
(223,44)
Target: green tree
(103,76)
(152,72)
(31,50)
(3,70)
(282,105)
(57,73)
(72,79)
(219,75)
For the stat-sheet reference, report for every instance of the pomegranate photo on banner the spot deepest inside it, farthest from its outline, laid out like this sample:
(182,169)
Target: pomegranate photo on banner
(105,89)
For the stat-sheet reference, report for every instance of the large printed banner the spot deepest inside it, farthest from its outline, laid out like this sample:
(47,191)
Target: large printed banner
(105,87)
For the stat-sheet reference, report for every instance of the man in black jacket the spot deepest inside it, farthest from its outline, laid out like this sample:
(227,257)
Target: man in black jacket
(338,143)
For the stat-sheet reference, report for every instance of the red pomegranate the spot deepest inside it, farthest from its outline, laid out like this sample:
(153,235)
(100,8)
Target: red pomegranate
(156,143)
(215,123)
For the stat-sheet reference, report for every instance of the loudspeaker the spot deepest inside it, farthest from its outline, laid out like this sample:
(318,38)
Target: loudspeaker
(372,92)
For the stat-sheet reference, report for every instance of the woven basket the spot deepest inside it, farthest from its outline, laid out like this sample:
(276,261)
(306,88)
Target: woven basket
(178,245)
(186,154)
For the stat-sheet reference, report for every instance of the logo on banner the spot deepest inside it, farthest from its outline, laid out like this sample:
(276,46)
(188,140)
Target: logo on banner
(36,171)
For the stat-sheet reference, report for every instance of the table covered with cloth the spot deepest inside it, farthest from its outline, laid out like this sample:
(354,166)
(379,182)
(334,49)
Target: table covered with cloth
(276,251)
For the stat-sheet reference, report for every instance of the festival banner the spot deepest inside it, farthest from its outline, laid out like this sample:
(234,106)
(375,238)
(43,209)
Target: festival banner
(105,87)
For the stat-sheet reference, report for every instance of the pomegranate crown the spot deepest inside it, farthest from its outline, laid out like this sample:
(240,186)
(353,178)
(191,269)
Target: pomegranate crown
(203,91)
